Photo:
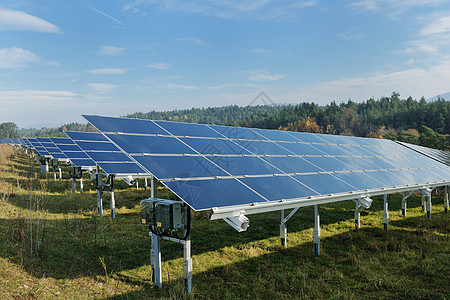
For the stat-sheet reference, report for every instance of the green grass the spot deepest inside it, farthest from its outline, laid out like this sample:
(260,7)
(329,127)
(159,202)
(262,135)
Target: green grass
(67,251)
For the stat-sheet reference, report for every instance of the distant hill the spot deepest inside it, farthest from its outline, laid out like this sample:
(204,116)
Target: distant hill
(445,96)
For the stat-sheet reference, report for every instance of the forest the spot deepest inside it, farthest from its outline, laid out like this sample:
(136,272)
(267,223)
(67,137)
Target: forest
(408,120)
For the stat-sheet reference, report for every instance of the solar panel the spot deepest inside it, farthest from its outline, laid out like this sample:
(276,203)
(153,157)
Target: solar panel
(211,166)
(39,148)
(439,155)
(74,153)
(52,149)
(105,154)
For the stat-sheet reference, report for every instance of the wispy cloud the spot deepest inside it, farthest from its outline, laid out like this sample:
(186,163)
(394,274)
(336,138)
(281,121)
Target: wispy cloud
(16,58)
(349,35)
(193,40)
(434,36)
(27,96)
(261,51)
(180,87)
(392,7)
(14,20)
(107,71)
(235,85)
(416,82)
(262,75)
(100,88)
(159,66)
(111,50)
(229,9)
(103,13)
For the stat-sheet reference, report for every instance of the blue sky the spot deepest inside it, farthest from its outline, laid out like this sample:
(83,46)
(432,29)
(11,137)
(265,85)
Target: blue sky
(59,59)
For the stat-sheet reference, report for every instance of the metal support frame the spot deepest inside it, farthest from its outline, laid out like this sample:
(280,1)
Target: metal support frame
(81,185)
(283,226)
(316,231)
(357,217)
(385,213)
(153,187)
(404,204)
(145,183)
(423,203)
(429,206)
(137,183)
(283,231)
(105,187)
(155,261)
(74,189)
(446,199)
(60,173)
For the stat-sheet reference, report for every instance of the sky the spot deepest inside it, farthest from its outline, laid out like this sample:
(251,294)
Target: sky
(61,59)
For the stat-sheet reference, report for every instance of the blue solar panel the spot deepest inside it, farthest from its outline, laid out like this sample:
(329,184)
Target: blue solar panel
(104,153)
(215,166)
(73,152)
(438,155)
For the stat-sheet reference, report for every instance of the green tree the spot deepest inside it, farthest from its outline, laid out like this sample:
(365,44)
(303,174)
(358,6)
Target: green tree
(9,130)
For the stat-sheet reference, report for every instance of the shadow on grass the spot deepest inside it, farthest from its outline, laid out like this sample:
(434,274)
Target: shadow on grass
(370,263)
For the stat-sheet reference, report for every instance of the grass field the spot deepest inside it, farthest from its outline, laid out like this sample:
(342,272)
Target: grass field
(54,245)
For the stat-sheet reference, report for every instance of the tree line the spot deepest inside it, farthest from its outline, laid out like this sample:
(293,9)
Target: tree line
(409,120)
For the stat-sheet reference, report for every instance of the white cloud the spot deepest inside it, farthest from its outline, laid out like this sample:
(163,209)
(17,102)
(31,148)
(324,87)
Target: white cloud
(193,40)
(434,37)
(180,87)
(110,50)
(416,82)
(234,85)
(107,71)
(14,20)
(392,7)
(229,9)
(27,96)
(159,66)
(100,88)
(261,51)
(262,75)
(438,26)
(15,58)
(348,35)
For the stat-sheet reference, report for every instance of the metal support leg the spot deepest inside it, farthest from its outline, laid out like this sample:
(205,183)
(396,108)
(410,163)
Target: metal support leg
(153,187)
(404,205)
(385,214)
(187,265)
(429,206)
(60,174)
(99,202)
(357,218)
(73,186)
(81,185)
(446,199)
(316,231)
(137,183)
(283,231)
(423,203)
(54,174)
(156,258)
(145,183)
(113,205)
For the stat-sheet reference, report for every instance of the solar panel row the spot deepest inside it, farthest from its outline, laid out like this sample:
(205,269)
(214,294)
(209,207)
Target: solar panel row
(216,166)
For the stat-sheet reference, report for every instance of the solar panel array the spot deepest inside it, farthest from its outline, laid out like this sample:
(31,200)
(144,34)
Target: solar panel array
(104,153)
(439,155)
(217,166)
(74,153)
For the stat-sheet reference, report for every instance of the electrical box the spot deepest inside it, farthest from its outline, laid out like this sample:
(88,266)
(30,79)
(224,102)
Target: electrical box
(44,169)
(162,214)
(75,172)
